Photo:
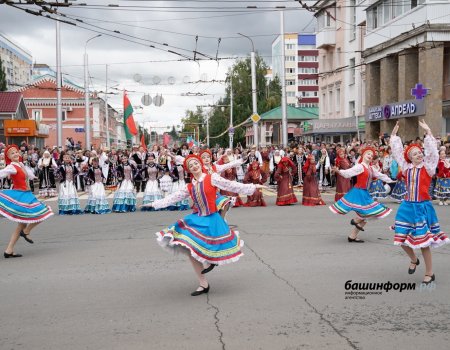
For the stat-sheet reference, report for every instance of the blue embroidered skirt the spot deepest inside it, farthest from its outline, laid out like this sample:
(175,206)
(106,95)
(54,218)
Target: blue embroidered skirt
(207,238)
(23,206)
(361,203)
(416,225)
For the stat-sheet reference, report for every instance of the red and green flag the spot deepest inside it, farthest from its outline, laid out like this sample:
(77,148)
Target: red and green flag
(128,120)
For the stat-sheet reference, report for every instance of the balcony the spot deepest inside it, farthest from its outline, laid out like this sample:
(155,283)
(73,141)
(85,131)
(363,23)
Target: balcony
(326,37)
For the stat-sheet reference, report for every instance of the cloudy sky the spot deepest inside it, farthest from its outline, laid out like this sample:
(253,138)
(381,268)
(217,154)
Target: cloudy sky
(167,25)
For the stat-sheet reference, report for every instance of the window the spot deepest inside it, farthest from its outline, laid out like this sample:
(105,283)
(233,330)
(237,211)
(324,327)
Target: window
(290,82)
(290,70)
(307,58)
(289,58)
(338,57)
(387,6)
(352,71)
(353,19)
(64,115)
(338,99)
(290,47)
(308,70)
(290,93)
(351,108)
(37,114)
(324,103)
(330,100)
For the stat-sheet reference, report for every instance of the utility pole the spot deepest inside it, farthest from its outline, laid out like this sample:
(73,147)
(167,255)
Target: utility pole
(284,126)
(58,86)
(108,143)
(87,125)
(254,100)
(231,129)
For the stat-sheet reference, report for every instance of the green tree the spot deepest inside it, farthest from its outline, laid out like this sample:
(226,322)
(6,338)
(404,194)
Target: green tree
(173,133)
(194,122)
(268,97)
(2,77)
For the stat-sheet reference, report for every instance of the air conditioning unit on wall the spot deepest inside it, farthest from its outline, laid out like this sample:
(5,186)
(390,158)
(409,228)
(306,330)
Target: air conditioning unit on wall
(69,109)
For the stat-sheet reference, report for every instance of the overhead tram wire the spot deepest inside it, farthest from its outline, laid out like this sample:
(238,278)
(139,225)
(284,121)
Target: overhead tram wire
(105,32)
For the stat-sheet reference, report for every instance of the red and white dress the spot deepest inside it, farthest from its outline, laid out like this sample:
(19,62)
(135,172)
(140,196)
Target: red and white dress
(19,204)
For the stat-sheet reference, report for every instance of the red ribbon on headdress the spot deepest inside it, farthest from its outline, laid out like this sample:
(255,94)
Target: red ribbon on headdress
(367,149)
(190,157)
(408,149)
(7,159)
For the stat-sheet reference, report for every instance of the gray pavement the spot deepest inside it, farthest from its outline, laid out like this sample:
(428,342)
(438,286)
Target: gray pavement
(102,282)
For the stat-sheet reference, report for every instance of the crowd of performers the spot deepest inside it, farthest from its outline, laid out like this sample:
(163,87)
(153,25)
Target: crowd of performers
(413,174)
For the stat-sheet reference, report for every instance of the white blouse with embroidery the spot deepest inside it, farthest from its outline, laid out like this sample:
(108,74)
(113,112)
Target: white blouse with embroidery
(431,154)
(10,170)
(216,180)
(359,169)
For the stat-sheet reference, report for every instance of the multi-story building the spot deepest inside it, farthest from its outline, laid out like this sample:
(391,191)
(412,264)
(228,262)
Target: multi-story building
(40,99)
(17,63)
(407,53)
(340,40)
(301,68)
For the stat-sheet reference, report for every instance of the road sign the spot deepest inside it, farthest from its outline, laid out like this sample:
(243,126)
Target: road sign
(255,117)
(231,131)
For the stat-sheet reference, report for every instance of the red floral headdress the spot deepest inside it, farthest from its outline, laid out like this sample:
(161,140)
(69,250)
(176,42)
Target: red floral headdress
(7,159)
(206,151)
(367,149)
(409,149)
(189,158)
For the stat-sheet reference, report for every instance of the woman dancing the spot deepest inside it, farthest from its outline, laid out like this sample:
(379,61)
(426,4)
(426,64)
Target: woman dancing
(358,198)
(416,224)
(19,204)
(204,236)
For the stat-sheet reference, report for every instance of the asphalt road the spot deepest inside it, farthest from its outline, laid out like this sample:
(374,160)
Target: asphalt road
(103,282)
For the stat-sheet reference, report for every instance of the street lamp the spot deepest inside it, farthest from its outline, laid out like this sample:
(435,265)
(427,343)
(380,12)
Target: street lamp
(86,96)
(255,105)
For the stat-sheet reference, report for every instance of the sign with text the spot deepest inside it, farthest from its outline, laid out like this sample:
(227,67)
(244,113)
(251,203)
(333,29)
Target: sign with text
(410,108)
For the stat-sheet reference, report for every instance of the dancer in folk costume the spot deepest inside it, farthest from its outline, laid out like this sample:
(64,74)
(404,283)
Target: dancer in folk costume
(231,175)
(222,202)
(442,188)
(273,165)
(31,165)
(358,198)
(204,236)
(377,189)
(81,164)
(255,175)
(125,197)
(151,175)
(166,181)
(311,193)
(240,168)
(300,159)
(68,201)
(416,224)
(178,184)
(399,191)
(265,156)
(113,162)
(19,204)
(283,177)
(343,185)
(47,166)
(5,183)
(324,169)
(97,202)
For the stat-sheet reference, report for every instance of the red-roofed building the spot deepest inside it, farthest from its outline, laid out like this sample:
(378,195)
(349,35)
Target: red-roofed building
(15,124)
(40,99)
